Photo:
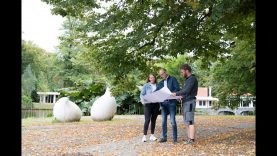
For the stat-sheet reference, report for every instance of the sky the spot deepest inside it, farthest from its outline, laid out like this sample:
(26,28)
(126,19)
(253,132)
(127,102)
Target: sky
(39,25)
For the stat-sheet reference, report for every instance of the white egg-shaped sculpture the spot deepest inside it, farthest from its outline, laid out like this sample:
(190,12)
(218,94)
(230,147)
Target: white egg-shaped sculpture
(104,108)
(65,110)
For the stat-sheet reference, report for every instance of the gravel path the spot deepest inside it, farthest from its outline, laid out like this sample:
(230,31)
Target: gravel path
(207,127)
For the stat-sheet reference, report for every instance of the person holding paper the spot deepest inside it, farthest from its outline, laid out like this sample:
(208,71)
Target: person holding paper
(151,110)
(188,93)
(168,106)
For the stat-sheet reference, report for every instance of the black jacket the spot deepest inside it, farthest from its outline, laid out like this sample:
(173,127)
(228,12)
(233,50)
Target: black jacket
(189,90)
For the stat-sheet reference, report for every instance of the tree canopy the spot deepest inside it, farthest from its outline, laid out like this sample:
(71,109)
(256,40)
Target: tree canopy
(124,38)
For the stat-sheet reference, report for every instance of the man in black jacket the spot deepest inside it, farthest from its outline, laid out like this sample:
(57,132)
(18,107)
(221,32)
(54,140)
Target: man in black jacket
(188,93)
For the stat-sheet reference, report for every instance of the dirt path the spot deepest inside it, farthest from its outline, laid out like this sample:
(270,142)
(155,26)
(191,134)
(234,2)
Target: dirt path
(122,136)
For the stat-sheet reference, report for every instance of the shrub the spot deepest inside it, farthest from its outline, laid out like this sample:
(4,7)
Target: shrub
(49,115)
(26,101)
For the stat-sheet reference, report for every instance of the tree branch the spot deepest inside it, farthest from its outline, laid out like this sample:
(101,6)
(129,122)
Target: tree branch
(152,42)
(205,15)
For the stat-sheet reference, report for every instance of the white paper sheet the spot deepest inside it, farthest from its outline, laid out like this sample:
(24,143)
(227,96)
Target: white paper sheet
(159,96)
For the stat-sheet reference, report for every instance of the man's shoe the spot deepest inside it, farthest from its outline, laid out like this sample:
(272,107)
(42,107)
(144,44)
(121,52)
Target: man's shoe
(162,140)
(144,138)
(175,142)
(189,142)
(152,137)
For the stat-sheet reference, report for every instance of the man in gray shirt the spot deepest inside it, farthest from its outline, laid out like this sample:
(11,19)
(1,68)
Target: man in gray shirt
(188,93)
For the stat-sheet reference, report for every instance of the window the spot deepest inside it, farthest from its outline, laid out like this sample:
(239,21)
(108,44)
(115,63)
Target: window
(200,103)
(204,103)
(210,103)
(245,103)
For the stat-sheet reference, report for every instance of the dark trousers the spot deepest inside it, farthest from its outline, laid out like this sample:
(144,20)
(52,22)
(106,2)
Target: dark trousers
(151,111)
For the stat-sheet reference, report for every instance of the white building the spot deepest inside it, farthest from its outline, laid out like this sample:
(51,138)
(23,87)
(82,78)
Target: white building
(247,101)
(204,98)
(204,101)
(48,97)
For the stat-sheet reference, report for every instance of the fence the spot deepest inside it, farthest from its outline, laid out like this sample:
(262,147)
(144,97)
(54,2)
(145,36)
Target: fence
(38,113)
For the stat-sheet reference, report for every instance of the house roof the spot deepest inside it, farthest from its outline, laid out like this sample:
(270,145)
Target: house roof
(202,92)
(206,98)
(48,93)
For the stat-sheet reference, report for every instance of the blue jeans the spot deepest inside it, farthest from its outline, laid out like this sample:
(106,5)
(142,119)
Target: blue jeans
(169,107)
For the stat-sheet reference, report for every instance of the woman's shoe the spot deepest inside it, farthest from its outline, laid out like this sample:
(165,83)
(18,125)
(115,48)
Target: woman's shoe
(144,138)
(152,137)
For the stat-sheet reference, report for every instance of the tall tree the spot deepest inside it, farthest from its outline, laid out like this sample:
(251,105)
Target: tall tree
(42,82)
(173,66)
(28,81)
(42,64)
(33,55)
(75,67)
(236,76)
(134,34)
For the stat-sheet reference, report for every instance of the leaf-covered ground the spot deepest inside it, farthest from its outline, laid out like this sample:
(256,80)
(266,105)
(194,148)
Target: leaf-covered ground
(216,135)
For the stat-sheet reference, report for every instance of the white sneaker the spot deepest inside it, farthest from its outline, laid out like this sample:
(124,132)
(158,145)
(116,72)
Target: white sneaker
(152,137)
(144,138)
